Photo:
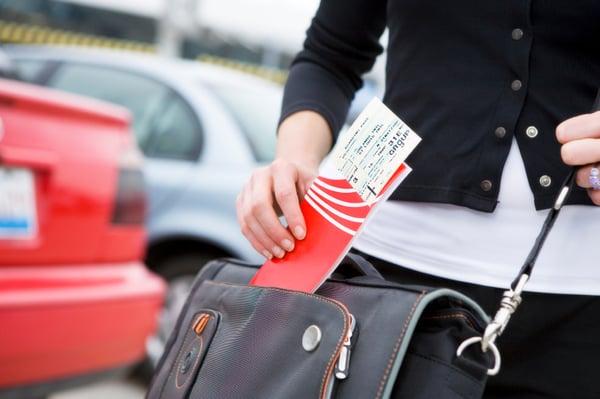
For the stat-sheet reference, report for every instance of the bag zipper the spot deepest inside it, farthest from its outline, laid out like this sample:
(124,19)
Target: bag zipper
(201,323)
(455,313)
(342,362)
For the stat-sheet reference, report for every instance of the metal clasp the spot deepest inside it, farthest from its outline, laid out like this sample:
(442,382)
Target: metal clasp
(473,340)
(560,200)
(508,305)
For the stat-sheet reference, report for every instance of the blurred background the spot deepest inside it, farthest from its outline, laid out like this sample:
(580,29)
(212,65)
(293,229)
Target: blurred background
(127,128)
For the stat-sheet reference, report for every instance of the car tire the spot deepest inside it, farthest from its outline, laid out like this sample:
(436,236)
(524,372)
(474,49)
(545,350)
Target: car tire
(179,271)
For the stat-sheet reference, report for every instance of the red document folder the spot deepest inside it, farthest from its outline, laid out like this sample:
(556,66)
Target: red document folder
(364,169)
(334,213)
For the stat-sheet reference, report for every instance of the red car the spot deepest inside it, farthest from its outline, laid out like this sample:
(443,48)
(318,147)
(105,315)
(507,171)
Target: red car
(75,299)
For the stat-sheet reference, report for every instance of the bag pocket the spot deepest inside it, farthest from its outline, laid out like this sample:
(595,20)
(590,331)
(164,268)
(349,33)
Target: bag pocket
(270,343)
(431,356)
(198,336)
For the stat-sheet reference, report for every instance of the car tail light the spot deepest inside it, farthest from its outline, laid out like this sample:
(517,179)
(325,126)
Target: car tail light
(130,201)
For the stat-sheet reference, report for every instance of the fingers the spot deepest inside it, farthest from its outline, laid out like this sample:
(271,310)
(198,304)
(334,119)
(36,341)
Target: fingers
(580,137)
(257,217)
(579,127)
(583,176)
(583,180)
(280,184)
(285,177)
(245,227)
(260,235)
(261,208)
(256,244)
(581,152)
(304,182)
(595,196)
(249,225)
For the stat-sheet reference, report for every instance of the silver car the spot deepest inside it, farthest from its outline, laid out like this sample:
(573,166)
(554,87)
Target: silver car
(202,129)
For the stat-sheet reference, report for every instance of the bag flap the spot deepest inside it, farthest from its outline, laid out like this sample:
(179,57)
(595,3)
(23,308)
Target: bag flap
(259,348)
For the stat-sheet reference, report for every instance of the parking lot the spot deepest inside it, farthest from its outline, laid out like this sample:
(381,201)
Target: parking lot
(114,389)
(114,186)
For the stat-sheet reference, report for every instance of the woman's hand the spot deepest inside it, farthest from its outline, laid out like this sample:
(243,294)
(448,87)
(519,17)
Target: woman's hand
(278,186)
(580,137)
(304,139)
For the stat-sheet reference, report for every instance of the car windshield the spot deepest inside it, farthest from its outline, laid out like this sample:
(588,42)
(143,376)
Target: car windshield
(257,111)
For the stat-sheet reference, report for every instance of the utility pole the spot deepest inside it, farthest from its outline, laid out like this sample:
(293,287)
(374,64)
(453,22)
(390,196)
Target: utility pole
(179,19)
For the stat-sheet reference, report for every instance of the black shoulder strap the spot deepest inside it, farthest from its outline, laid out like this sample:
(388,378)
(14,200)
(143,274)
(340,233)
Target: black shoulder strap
(511,299)
(546,228)
(563,195)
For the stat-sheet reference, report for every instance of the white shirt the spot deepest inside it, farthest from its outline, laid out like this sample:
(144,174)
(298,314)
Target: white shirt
(489,248)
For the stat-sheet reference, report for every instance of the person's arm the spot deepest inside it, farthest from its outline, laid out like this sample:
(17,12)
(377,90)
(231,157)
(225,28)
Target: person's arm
(341,44)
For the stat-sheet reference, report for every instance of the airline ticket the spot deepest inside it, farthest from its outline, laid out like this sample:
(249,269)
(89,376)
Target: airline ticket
(365,168)
(376,144)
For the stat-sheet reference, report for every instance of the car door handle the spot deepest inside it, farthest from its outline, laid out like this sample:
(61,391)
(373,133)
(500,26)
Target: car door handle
(26,157)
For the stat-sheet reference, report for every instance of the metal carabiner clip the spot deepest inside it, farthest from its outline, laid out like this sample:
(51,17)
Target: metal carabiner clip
(508,305)
(473,340)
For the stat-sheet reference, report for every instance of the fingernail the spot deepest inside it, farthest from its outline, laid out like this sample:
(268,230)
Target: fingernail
(299,232)
(278,252)
(287,244)
(267,254)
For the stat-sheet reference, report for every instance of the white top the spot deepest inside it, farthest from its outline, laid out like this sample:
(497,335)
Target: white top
(489,248)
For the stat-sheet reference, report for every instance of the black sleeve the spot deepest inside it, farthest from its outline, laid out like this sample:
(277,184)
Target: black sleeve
(341,44)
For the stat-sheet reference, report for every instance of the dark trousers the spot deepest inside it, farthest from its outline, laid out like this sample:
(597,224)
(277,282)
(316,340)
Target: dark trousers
(551,347)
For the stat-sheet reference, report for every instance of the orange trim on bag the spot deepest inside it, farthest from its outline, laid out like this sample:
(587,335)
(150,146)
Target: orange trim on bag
(201,323)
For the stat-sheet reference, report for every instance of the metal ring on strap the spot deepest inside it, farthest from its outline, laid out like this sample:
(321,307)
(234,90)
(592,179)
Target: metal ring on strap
(473,340)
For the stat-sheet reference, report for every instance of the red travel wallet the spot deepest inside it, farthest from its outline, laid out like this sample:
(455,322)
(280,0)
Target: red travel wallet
(334,213)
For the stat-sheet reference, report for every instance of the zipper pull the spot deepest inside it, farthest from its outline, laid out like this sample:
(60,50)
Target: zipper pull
(200,323)
(343,364)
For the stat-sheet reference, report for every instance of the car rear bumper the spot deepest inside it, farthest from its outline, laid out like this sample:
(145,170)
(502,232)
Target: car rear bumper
(63,321)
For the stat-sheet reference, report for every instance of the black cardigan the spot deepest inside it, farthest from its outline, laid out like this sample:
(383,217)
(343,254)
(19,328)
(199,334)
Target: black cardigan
(466,75)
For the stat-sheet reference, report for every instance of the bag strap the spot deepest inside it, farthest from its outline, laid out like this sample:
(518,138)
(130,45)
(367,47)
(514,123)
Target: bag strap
(563,195)
(511,299)
(355,265)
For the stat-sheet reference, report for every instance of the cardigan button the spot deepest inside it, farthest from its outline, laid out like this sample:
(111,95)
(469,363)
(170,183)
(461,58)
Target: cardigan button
(500,132)
(486,185)
(531,132)
(545,181)
(516,85)
(517,34)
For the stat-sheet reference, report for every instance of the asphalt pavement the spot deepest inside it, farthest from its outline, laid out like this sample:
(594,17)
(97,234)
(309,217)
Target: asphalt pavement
(113,389)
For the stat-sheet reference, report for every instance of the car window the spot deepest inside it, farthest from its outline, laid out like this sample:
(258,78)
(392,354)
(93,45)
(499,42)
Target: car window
(176,134)
(257,112)
(142,96)
(29,70)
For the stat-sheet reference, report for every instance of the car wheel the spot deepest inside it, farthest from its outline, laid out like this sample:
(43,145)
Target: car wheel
(180,272)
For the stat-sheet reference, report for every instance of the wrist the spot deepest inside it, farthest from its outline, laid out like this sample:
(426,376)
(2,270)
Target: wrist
(304,138)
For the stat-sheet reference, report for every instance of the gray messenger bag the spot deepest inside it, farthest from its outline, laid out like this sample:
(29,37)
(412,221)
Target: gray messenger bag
(359,336)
